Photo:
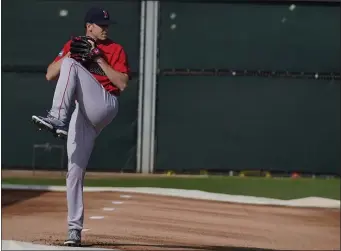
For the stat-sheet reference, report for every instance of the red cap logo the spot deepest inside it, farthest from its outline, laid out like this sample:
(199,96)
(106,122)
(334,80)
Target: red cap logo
(105,14)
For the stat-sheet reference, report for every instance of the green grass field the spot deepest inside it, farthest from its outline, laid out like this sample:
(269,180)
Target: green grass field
(279,188)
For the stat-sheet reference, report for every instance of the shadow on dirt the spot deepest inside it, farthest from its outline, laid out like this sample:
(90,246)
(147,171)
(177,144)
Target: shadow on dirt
(10,197)
(173,247)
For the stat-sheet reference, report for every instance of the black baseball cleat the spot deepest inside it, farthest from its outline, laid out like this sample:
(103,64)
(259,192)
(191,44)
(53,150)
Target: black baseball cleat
(51,124)
(74,238)
(72,243)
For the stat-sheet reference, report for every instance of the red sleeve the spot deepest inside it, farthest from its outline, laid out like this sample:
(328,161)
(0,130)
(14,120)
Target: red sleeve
(120,62)
(64,51)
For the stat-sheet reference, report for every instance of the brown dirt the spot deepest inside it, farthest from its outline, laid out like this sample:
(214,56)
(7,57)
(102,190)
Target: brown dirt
(149,222)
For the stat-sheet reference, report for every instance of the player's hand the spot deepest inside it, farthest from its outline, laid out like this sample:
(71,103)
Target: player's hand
(83,49)
(92,44)
(95,53)
(99,60)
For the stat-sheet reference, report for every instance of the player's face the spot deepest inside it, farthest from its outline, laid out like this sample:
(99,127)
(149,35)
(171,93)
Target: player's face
(100,31)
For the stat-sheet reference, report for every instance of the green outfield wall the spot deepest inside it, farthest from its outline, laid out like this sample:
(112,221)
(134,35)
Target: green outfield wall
(240,86)
(273,114)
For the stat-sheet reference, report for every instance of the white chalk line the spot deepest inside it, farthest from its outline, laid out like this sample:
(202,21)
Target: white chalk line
(125,196)
(117,202)
(108,209)
(96,217)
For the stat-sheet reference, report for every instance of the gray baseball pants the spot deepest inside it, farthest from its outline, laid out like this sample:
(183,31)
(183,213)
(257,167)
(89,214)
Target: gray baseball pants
(94,109)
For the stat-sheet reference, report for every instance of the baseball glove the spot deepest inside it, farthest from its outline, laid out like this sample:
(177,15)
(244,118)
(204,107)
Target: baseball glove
(83,49)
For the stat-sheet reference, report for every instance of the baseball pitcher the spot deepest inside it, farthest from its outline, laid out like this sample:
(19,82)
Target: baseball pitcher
(92,71)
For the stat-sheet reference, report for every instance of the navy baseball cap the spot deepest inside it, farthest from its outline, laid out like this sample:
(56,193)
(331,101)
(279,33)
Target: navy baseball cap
(98,16)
